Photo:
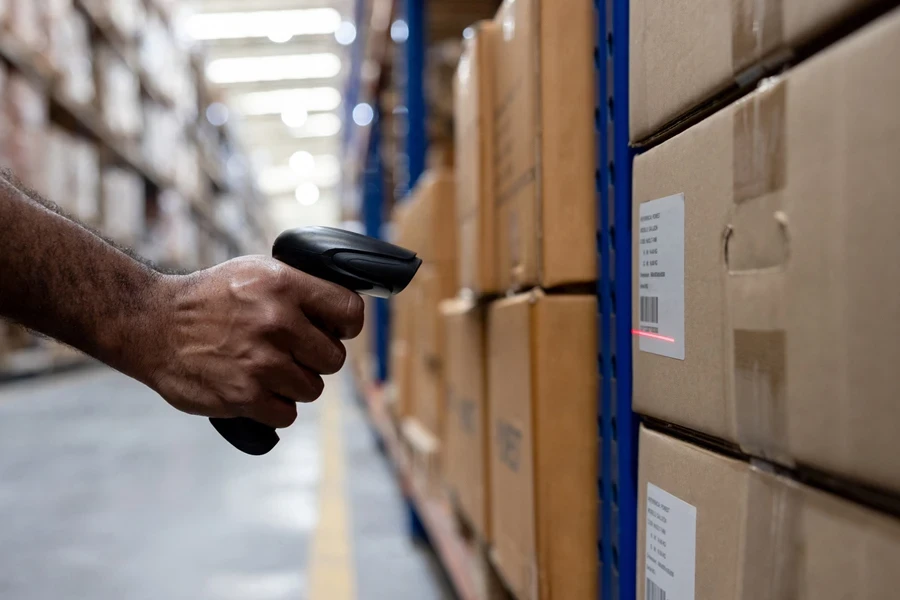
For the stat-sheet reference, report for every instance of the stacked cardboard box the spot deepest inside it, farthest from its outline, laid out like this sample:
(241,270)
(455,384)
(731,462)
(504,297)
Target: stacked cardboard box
(424,224)
(714,526)
(520,441)
(764,252)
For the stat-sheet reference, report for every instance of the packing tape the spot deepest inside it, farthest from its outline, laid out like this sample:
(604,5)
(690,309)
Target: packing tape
(757,29)
(772,554)
(756,248)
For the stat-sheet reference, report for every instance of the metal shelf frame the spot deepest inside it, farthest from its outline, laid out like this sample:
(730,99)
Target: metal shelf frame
(617,423)
(374,221)
(414,66)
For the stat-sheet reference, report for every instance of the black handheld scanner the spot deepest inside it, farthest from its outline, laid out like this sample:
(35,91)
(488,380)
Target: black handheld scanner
(356,262)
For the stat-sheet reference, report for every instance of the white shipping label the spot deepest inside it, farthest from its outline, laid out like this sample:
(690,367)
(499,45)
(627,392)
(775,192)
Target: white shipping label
(671,546)
(661,269)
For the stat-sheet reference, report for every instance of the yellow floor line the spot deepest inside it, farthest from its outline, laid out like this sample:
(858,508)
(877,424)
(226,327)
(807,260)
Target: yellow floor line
(332,572)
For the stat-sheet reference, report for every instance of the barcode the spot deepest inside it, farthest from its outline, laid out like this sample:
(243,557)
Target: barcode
(654,592)
(650,309)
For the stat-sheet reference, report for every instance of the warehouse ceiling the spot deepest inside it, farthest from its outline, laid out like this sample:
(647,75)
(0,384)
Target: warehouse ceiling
(281,66)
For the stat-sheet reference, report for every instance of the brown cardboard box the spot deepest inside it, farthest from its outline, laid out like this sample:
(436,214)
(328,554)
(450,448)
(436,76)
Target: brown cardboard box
(683,53)
(428,394)
(402,352)
(712,527)
(544,143)
(791,335)
(428,221)
(474,162)
(435,282)
(466,433)
(542,395)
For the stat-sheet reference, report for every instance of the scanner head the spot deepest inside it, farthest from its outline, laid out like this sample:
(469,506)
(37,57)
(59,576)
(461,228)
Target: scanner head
(363,264)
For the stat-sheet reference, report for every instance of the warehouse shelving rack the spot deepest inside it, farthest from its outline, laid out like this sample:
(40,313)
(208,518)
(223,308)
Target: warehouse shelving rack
(617,424)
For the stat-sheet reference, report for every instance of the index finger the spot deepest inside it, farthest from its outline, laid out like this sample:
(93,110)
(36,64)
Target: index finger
(333,307)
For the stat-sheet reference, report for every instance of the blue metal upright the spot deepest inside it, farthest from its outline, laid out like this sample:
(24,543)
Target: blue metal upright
(617,422)
(414,60)
(373,218)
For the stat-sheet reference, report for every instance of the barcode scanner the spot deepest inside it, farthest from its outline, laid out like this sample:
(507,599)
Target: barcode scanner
(357,262)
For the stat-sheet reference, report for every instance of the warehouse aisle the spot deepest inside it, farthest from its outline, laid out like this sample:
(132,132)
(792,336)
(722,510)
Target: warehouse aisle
(109,494)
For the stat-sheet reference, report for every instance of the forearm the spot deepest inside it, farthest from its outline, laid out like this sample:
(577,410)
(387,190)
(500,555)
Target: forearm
(60,279)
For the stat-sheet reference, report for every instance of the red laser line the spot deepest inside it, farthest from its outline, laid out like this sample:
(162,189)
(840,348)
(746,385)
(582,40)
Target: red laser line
(653,336)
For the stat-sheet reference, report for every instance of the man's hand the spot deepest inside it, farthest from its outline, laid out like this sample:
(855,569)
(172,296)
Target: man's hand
(249,338)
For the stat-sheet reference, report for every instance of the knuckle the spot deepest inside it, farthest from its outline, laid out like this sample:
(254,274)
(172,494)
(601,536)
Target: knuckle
(273,320)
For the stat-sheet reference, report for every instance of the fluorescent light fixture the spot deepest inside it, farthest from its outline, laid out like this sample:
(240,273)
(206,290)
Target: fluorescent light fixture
(278,101)
(346,33)
(217,114)
(302,163)
(236,25)
(273,68)
(324,171)
(307,194)
(324,125)
(399,31)
(281,37)
(363,114)
(294,116)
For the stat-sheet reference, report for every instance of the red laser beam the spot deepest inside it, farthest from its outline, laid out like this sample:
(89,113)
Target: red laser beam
(653,336)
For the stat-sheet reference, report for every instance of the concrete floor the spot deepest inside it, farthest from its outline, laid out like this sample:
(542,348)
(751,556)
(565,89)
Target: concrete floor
(107,493)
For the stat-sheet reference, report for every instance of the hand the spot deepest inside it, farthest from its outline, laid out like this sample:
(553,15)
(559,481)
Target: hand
(251,338)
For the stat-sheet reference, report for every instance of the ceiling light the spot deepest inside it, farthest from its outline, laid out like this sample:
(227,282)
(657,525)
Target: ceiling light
(346,33)
(235,25)
(307,194)
(217,114)
(325,125)
(363,114)
(294,116)
(273,68)
(278,101)
(324,172)
(302,163)
(281,37)
(399,31)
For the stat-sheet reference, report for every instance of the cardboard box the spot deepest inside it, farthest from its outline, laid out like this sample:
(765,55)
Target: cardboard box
(544,146)
(542,395)
(712,527)
(684,53)
(428,221)
(428,394)
(783,334)
(466,439)
(435,282)
(402,352)
(475,160)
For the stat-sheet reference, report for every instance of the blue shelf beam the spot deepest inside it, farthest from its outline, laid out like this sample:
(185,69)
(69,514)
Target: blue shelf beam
(373,218)
(414,62)
(616,421)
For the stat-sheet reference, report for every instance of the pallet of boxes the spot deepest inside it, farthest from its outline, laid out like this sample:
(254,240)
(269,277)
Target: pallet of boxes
(765,298)
(518,434)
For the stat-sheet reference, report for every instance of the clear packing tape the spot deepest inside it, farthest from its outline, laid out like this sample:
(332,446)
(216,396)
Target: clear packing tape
(756,249)
(757,32)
